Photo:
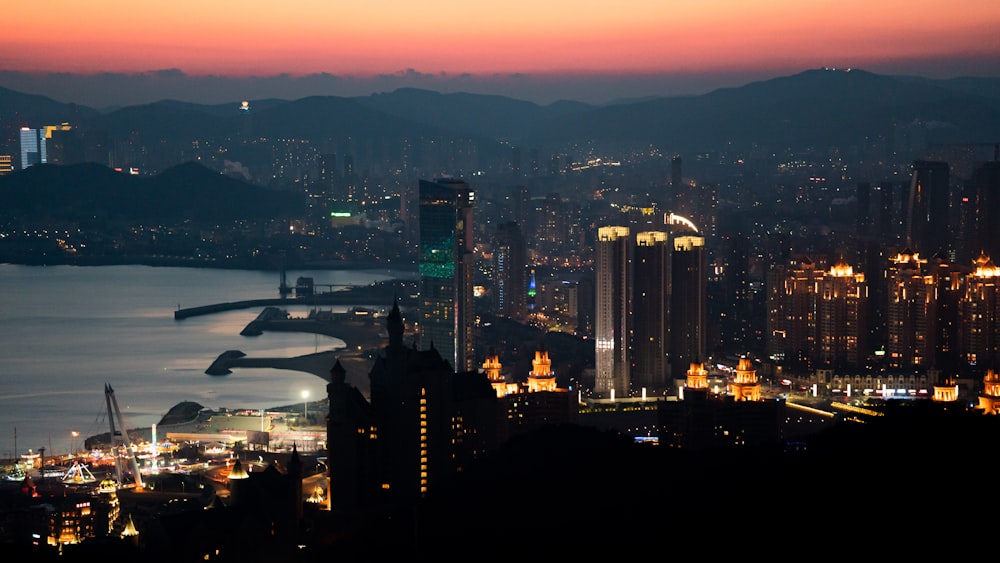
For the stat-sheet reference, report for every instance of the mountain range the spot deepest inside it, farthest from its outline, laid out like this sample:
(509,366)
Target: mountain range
(817,108)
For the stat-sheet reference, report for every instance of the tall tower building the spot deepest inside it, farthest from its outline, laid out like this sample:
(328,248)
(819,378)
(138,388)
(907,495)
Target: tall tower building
(680,197)
(984,207)
(949,283)
(791,318)
(651,311)
(510,272)
(980,315)
(840,317)
(688,304)
(446,310)
(910,312)
(33,150)
(612,310)
(928,207)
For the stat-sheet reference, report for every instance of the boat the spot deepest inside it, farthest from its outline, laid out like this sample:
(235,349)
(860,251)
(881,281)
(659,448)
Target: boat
(15,473)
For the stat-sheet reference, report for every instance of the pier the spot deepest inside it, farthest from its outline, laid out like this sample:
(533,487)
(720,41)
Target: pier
(376,295)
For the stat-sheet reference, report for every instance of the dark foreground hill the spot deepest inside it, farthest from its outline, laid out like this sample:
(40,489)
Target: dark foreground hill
(188,192)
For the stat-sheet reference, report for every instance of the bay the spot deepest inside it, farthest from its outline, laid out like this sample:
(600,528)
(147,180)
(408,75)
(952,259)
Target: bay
(66,331)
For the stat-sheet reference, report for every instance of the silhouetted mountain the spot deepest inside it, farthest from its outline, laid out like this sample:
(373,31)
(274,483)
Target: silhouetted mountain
(814,109)
(30,110)
(493,117)
(186,192)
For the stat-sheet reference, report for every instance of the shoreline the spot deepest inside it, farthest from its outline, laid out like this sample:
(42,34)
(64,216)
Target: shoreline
(185,262)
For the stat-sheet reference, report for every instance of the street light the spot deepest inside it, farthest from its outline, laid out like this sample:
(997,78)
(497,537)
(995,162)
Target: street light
(305,405)
(72,442)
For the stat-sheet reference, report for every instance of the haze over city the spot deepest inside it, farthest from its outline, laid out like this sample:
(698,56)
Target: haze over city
(108,53)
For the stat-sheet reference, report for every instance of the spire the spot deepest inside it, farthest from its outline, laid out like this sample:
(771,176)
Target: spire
(394,325)
(337,373)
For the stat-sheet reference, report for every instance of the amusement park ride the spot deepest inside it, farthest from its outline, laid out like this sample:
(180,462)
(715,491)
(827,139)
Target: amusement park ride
(124,452)
(126,462)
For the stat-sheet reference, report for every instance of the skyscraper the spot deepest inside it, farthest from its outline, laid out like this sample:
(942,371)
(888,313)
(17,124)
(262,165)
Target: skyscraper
(841,322)
(510,272)
(984,208)
(651,300)
(680,197)
(446,310)
(688,304)
(910,312)
(613,307)
(33,150)
(928,207)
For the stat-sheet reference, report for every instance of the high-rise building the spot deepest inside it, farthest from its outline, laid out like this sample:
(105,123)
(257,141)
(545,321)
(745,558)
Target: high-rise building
(446,308)
(949,284)
(928,207)
(6,164)
(612,310)
(841,325)
(910,312)
(680,203)
(791,318)
(33,150)
(983,205)
(510,272)
(980,315)
(651,310)
(817,318)
(688,304)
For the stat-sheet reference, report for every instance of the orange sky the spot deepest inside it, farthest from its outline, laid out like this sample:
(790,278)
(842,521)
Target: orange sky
(257,37)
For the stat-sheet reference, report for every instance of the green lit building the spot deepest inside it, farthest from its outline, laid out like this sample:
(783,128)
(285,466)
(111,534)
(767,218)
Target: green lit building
(445,309)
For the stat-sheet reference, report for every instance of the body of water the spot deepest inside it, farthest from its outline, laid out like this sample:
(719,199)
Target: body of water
(66,331)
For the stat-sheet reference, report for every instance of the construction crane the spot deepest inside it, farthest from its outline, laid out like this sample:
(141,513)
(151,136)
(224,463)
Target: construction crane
(121,445)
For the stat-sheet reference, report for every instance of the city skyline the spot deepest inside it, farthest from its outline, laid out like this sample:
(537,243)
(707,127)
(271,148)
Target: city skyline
(107,52)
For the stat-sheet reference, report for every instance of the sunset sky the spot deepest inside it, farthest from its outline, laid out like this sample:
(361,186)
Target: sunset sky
(632,43)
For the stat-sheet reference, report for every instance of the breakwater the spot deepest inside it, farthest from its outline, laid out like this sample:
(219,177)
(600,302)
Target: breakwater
(381,294)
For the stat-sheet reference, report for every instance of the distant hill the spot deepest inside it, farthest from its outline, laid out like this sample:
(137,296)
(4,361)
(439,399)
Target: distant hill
(814,109)
(188,192)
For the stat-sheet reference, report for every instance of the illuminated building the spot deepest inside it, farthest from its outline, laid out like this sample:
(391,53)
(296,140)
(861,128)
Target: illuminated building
(745,386)
(651,311)
(979,311)
(910,312)
(703,419)
(510,265)
(492,368)
(446,265)
(989,399)
(817,319)
(537,402)
(613,307)
(946,391)
(688,303)
(6,166)
(541,378)
(841,323)
(33,150)
(949,283)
